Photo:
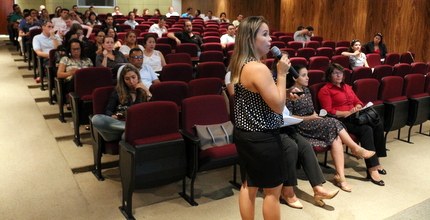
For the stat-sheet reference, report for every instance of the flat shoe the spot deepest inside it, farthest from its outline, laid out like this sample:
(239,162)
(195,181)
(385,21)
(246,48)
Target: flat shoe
(297,204)
(376,182)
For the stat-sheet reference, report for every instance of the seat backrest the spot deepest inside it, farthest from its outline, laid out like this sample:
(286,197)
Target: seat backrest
(319,63)
(317,38)
(211,69)
(177,72)
(295,61)
(214,56)
(211,47)
(392,59)
(391,88)
(174,91)
(285,39)
(211,39)
(178,58)
(101,98)
(366,89)
(419,67)
(203,110)
(291,52)
(148,120)
(315,76)
(339,50)
(205,86)
(382,71)
(314,89)
(328,43)
(373,59)
(414,84)
(312,44)
(402,69)
(306,52)
(342,60)
(342,43)
(324,51)
(361,73)
(166,40)
(164,48)
(87,79)
(407,57)
(279,44)
(295,45)
(189,48)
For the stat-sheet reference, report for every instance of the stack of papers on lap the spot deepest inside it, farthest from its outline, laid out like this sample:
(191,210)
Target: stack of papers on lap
(289,120)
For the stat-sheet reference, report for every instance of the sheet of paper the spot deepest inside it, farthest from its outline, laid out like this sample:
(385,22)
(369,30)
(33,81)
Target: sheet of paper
(289,120)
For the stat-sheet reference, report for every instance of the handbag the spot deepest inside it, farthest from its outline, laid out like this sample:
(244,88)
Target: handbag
(367,116)
(215,135)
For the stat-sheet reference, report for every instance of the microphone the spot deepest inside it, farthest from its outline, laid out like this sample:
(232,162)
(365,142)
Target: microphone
(278,54)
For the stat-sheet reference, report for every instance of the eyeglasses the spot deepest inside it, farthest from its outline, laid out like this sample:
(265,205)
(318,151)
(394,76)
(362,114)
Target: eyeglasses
(137,57)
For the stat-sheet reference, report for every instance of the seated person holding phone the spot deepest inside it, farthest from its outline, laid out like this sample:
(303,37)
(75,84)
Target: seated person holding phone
(322,131)
(128,91)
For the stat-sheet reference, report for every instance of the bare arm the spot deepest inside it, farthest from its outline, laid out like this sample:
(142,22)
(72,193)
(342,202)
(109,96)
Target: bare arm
(172,36)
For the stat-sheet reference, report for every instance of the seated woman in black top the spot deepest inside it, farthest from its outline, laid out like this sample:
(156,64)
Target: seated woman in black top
(376,46)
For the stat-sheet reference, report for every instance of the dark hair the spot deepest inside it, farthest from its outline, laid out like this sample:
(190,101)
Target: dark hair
(310,28)
(115,38)
(330,70)
(189,9)
(92,13)
(352,44)
(69,48)
(290,77)
(74,6)
(130,13)
(64,9)
(198,12)
(300,27)
(134,49)
(146,38)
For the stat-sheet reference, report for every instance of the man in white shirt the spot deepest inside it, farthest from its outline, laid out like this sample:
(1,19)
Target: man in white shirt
(171,12)
(159,28)
(131,22)
(210,17)
(60,22)
(303,34)
(238,20)
(229,37)
(147,74)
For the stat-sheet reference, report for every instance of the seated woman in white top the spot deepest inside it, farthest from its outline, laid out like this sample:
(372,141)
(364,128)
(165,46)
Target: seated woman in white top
(152,57)
(356,57)
(130,42)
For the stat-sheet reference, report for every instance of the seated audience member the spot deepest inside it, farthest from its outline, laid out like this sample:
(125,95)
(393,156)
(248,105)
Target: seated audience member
(135,11)
(197,14)
(86,16)
(157,13)
(128,91)
(60,22)
(159,28)
(58,11)
(92,20)
(146,72)
(24,28)
(376,46)
(145,12)
(35,15)
(46,41)
(131,22)
(356,57)
(75,9)
(188,14)
(238,20)
(109,23)
(110,57)
(44,16)
(116,11)
(99,42)
(93,9)
(13,21)
(112,33)
(223,18)
(186,36)
(209,17)
(229,37)
(171,12)
(322,131)
(303,34)
(75,60)
(75,17)
(152,57)
(338,99)
(130,43)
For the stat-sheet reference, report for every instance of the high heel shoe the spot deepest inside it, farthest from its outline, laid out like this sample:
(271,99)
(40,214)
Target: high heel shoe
(376,182)
(338,182)
(363,153)
(297,204)
(318,198)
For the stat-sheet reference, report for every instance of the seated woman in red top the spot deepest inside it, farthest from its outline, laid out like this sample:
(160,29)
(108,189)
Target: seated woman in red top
(338,99)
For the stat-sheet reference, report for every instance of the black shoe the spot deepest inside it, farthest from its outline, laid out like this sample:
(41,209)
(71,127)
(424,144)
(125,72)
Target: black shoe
(379,183)
(382,171)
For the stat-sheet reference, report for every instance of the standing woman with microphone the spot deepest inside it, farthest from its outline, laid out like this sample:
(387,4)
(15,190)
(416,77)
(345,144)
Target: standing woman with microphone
(258,106)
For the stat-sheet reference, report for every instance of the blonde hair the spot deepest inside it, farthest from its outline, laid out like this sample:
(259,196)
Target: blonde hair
(244,48)
(121,88)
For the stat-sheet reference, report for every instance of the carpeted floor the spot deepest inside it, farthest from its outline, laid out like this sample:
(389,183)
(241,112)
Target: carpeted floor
(38,156)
